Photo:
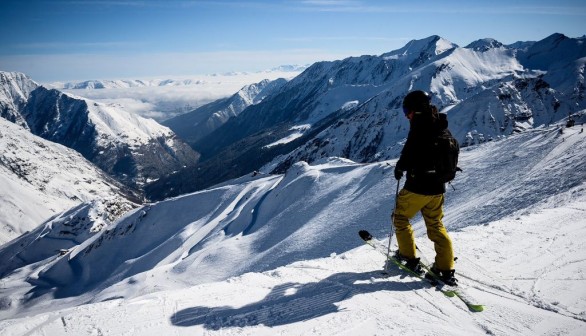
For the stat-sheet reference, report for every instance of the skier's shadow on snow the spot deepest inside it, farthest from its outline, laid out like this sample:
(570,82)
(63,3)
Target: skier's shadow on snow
(292,302)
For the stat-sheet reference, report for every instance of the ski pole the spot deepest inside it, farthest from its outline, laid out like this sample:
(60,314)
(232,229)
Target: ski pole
(392,224)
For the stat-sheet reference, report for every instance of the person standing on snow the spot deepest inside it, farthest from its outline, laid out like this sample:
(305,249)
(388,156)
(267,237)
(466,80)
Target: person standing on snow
(423,191)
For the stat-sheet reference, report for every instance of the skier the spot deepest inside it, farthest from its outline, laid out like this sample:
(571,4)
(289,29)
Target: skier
(422,190)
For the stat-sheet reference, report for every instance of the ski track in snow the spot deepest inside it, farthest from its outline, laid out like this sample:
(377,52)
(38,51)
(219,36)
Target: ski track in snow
(343,294)
(274,255)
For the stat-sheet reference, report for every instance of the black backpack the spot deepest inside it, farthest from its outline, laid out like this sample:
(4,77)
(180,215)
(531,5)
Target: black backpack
(445,151)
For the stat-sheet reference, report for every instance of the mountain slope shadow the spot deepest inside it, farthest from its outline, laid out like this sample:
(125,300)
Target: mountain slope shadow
(291,302)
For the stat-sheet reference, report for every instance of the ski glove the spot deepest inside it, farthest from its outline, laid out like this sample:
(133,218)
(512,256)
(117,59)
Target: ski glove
(398,173)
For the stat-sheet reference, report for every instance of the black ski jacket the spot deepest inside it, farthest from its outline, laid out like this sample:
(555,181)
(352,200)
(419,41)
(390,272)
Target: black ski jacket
(416,157)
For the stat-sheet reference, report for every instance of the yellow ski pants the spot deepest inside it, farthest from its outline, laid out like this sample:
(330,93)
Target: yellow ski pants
(431,207)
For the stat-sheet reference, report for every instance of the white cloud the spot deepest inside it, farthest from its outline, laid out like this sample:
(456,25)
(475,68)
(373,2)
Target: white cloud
(164,102)
(330,2)
(77,45)
(69,67)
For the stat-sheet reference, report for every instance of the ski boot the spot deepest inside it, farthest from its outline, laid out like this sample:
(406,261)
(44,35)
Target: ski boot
(412,264)
(446,277)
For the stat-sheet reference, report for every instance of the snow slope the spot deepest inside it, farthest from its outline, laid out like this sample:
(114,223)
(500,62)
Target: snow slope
(41,179)
(346,294)
(194,125)
(270,254)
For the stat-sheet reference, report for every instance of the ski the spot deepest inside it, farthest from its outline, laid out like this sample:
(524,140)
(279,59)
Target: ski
(456,291)
(435,281)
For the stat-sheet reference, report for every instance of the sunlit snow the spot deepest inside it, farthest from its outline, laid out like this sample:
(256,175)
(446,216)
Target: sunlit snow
(270,254)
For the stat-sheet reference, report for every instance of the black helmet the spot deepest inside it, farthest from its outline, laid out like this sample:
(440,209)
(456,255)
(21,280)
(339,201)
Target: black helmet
(416,101)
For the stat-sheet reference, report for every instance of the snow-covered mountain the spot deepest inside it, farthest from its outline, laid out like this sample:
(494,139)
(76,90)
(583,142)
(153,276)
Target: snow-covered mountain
(40,179)
(553,51)
(194,125)
(484,44)
(485,90)
(276,251)
(131,148)
(352,108)
(280,253)
(15,88)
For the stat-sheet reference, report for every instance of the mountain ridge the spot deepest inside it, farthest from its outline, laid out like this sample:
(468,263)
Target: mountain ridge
(336,93)
(194,125)
(131,148)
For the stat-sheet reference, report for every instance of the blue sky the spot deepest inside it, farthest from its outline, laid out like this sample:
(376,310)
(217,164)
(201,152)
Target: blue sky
(59,40)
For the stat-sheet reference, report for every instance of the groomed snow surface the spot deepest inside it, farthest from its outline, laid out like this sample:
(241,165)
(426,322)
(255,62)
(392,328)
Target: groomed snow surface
(280,255)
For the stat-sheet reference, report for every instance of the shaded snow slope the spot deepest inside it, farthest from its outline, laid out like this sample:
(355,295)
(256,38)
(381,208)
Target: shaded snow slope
(527,270)
(200,122)
(129,147)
